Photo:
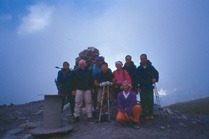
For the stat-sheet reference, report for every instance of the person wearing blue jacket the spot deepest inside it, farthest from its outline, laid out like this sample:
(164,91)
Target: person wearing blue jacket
(64,84)
(146,75)
(96,69)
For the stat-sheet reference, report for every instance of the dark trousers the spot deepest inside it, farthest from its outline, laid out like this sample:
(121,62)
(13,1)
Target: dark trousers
(68,99)
(94,98)
(71,100)
(117,91)
(147,101)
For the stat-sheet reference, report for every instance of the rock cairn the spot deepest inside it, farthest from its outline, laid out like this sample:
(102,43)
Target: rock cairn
(88,55)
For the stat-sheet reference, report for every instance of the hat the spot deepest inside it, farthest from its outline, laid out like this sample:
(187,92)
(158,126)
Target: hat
(119,62)
(126,83)
(98,58)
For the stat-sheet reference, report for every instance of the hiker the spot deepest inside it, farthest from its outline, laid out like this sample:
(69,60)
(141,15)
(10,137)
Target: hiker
(83,87)
(120,76)
(147,75)
(101,80)
(96,69)
(128,109)
(130,67)
(97,66)
(64,85)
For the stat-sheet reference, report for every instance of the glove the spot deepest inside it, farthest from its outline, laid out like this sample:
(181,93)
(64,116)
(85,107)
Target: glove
(102,84)
(108,83)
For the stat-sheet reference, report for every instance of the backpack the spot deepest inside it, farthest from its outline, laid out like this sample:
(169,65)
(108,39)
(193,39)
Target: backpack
(123,72)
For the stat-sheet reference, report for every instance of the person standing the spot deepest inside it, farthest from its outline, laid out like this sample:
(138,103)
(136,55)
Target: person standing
(120,75)
(64,85)
(83,87)
(128,109)
(147,75)
(96,69)
(102,78)
(130,67)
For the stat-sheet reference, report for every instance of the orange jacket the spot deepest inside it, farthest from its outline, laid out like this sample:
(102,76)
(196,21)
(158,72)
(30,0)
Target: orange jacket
(120,76)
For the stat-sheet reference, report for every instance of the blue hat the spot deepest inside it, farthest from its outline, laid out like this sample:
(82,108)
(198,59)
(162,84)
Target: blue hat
(98,58)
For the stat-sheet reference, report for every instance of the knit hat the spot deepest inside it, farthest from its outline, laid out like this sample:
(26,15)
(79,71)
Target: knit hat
(119,62)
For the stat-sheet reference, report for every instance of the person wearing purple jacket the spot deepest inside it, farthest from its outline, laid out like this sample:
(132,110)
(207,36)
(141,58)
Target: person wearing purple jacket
(128,109)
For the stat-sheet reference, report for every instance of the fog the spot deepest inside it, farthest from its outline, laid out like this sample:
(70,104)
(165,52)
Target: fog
(36,36)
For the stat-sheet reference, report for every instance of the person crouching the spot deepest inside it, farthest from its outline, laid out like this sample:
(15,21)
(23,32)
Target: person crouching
(128,109)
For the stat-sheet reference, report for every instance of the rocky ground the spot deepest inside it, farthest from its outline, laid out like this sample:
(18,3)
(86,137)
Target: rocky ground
(183,120)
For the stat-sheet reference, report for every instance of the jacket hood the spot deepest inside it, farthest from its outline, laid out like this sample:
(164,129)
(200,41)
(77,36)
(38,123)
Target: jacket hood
(132,64)
(65,70)
(149,63)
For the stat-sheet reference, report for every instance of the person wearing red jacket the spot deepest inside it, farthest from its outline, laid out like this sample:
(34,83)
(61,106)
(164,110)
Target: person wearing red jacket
(120,75)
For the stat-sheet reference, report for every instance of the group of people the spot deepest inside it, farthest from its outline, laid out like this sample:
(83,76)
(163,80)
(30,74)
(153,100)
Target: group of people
(85,83)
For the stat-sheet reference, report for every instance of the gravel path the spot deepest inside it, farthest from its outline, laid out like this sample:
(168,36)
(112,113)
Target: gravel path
(169,123)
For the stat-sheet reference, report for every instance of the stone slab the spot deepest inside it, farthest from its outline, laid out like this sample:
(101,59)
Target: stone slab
(15,131)
(41,131)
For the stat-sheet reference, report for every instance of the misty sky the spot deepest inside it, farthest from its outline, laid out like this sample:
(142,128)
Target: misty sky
(37,35)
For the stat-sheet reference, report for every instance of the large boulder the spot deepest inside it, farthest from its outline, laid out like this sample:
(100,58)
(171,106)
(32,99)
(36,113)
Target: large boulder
(88,55)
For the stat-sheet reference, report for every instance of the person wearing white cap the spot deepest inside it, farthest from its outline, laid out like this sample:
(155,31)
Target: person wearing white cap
(120,76)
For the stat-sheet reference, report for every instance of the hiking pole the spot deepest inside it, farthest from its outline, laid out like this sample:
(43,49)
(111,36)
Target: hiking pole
(101,105)
(108,98)
(58,67)
(108,102)
(157,95)
(61,68)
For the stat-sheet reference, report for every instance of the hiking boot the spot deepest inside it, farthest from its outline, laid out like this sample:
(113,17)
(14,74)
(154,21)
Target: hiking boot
(95,113)
(106,118)
(136,125)
(90,120)
(75,119)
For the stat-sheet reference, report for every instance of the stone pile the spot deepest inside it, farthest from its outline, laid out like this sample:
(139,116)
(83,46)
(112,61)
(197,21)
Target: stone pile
(88,55)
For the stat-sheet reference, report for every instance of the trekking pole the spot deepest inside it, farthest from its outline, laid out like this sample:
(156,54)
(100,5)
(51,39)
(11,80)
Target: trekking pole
(58,67)
(108,102)
(157,95)
(101,106)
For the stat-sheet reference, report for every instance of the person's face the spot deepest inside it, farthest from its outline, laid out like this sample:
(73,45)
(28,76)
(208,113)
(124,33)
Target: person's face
(143,60)
(125,87)
(66,66)
(82,65)
(118,66)
(128,59)
(97,62)
(104,68)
